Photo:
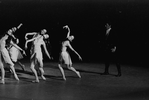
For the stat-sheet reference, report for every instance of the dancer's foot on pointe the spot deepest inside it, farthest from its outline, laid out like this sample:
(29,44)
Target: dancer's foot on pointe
(64,78)
(43,77)
(16,77)
(35,81)
(78,73)
(2,81)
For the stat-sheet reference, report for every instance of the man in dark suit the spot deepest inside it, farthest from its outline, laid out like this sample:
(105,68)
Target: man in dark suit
(110,51)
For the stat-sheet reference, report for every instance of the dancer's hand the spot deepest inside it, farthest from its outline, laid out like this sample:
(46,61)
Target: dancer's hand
(25,47)
(80,58)
(66,26)
(51,58)
(24,52)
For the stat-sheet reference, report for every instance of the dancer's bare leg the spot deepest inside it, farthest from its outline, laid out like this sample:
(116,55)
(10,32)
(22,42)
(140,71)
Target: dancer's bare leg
(13,70)
(34,71)
(2,73)
(74,70)
(62,71)
(22,66)
(42,73)
(41,69)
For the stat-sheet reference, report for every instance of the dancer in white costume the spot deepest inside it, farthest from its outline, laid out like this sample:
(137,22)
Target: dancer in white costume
(15,53)
(34,34)
(36,56)
(4,56)
(65,57)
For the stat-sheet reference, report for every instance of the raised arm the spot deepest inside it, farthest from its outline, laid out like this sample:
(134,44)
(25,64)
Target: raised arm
(30,40)
(32,33)
(68,43)
(19,25)
(68,34)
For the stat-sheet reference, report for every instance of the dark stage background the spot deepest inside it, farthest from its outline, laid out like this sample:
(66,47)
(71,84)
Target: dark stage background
(86,19)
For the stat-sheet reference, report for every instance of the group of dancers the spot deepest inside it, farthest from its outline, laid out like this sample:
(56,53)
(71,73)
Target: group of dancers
(10,52)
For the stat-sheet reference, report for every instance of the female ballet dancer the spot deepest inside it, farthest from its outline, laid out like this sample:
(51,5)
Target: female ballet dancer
(15,53)
(65,57)
(34,34)
(4,56)
(36,53)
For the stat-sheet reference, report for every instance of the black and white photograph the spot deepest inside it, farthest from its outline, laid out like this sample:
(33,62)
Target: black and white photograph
(74,50)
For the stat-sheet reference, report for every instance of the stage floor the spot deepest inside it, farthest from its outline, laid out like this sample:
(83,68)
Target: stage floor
(132,85)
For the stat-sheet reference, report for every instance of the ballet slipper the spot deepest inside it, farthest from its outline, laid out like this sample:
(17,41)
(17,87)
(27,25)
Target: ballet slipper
(35,81)
(2,81)
(64,78)
(16,77)
(43,77)
(78,73)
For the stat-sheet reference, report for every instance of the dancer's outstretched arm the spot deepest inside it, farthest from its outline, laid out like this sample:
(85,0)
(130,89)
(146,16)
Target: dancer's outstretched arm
(45,49)
(74,50)
(19,25)
(30,40)
(15,28)
(15,45)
